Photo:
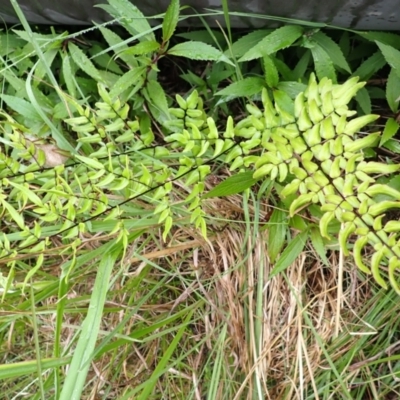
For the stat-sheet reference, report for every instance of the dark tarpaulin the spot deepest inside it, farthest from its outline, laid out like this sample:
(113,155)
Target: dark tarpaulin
(356,14)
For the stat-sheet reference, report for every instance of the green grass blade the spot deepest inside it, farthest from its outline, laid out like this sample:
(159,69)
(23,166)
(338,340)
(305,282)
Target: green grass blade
(83,353)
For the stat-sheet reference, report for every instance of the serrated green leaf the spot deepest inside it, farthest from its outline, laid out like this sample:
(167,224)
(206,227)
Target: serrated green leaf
(390,39)
(392,56)
(391,128)
(270,72)
(277,228)
(243,88)
(290,254)
(392,145)
(149,46)
(68,76)
(133,77)
(158,99)
(279,39)
(370,66)
(198,51)
(170,20)
(21,106)
(364,100)
(393,90)
(130,17)
(333,49)
(116,44)
(232,185)
(242,45)
(323,63)
(84,63)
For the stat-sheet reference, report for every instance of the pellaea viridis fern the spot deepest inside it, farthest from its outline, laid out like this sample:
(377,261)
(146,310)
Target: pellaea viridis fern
(311,146)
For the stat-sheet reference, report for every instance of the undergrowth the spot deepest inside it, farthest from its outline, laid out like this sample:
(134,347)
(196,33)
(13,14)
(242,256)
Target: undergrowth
(166,245)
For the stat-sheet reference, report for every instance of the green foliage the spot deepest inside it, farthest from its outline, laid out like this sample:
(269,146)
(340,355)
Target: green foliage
(107,150)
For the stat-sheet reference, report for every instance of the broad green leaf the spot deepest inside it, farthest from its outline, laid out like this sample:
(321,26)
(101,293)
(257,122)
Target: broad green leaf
(333,49)
(393,90)
(391,128)
(245,87)
(370,66)
(270,72)
(146,47)
(392,56)
(279,39)
(133,77)
(318,244)
(232,185)
(21,106)
(364,100)
(130,17)
(277,228)
(83,62)
(290,254)
(323,63)
(170,20)
(242,45)
(198,51)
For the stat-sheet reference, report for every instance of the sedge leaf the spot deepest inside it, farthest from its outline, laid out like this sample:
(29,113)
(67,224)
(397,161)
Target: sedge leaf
(279,39)
(276,233)
(232,185)
(170,20)
(290,254)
